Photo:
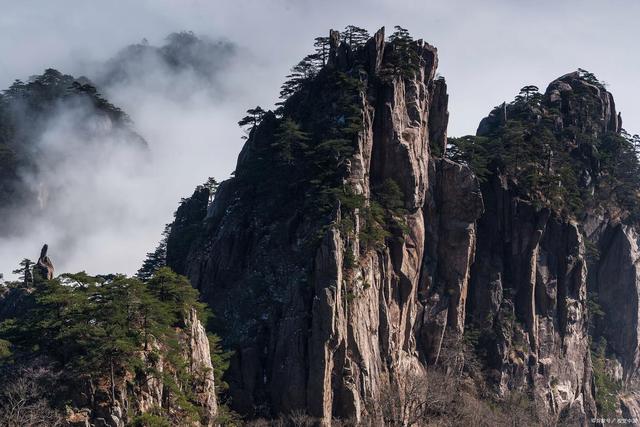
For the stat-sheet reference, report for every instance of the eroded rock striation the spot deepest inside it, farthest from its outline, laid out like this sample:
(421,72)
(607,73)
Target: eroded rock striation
(330,305)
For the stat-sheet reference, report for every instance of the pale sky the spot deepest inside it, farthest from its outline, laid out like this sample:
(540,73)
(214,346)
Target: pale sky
(487,49)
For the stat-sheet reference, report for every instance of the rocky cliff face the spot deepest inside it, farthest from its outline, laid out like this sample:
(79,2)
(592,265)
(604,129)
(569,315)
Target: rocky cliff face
(144,395)
(566,283)
(170,375)
(326,319)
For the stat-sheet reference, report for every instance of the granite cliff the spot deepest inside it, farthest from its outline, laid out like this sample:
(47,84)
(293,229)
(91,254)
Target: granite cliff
(364,268)
(419,270)
(70,356)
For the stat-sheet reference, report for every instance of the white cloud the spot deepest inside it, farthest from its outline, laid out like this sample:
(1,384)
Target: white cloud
(488,50)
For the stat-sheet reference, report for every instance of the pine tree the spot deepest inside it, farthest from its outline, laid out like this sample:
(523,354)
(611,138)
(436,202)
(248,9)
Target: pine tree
(321,45)
(211,185)
(302,72)
(528,94)
(253,117)
(25,272)
(354,36)
(404,59)
(289,139)
(156,259)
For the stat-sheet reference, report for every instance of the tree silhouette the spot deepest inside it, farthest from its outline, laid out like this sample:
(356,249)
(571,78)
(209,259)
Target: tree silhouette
(528,91)
(588,76)
(300,73)
(290,138)
(321,45)
(156,259)
(212,185)
(253,117)
(25,272)
(354,36)
(403,57)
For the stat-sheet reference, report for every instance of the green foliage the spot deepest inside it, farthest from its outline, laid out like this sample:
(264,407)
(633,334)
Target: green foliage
(321,45)
(40,94)
(156,259)
(606,388)
(589,77)
(290,140)
(471,151)
(555,167)
(5,350)
(592,252)
(594,311)
(593,305)
(529,95)
(354,36)
(228,418)
(300,155)
(301,74)
(621,171)
(349,258)
(105,328)
(391,198)
(372,231)
(150,420)
(25,272)
(220,360)
(303,160)
(403,57)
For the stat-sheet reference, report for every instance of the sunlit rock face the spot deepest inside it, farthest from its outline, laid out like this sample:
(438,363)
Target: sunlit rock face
(324,322)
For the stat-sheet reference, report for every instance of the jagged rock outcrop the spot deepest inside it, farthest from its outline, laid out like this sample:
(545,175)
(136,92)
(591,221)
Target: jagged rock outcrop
(93,407)
(343,319)
(530,297)
(325,319)
(145,385)
(547,264)
(44,268)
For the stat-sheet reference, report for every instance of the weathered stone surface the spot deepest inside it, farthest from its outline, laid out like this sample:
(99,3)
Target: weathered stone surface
(324,329)
(566,94)
(44,267)
(618,285)
(331,335)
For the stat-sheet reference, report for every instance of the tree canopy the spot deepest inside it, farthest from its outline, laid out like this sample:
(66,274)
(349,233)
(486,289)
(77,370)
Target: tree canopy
(105,329)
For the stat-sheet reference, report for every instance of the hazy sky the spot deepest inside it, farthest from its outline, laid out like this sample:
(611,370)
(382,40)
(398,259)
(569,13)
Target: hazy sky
(487,49)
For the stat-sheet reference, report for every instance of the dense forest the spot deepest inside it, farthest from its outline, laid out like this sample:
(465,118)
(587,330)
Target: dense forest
(99,341)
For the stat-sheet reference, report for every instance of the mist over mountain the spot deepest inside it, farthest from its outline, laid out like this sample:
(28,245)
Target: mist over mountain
(75,165)
(51,125)
(342,228)
(194,64)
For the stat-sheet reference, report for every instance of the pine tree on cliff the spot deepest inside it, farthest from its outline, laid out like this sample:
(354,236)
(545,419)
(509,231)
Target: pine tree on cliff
(404,60)
(355,37)
(321,45)
(25,272)
(289,140)
(253,117)
(156,259)
(105,332)
(212,185)
(302,72)
(529,95)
